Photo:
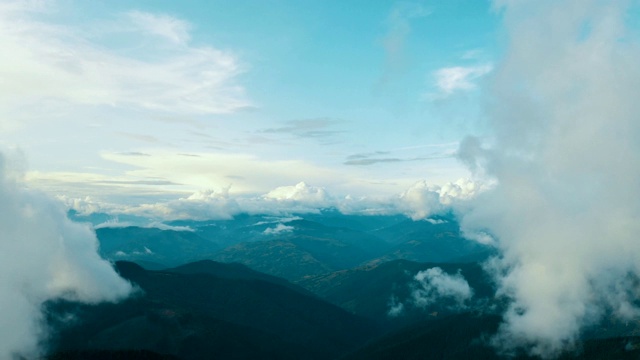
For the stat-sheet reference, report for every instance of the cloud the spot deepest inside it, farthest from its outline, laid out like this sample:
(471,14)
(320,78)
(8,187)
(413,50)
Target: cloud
(244,173)
(299,192)
(434,284)
(165,26)
(375,157)
(396,308)
(278,229)
(423,199)
(115,223)
(459,78)
(371,161)
(67,68)
(306,128)
(565,154)
(419,201)
(43,256)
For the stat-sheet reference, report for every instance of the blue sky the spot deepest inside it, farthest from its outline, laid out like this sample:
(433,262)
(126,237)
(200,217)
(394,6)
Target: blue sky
(128,101)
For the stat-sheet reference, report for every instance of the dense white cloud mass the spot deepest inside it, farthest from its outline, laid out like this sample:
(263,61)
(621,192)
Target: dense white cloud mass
(420,201)
(423,199)
(300,192)
(434,284)
(566,156)
(43,256)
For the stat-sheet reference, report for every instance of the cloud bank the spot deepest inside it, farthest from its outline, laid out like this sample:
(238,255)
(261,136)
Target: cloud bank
(43,256)
(565,152)
(420,201)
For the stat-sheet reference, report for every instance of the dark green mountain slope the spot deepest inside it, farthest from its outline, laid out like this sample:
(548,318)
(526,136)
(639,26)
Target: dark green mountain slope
(467,336)
(368,290)
(461,336)
(233,271)
(201,316)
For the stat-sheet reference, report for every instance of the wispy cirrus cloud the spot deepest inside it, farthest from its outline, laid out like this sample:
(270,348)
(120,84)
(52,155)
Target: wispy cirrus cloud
(168,27)
(65,64)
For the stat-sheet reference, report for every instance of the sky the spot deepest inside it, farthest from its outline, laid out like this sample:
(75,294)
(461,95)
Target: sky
(132,102)
(520,116)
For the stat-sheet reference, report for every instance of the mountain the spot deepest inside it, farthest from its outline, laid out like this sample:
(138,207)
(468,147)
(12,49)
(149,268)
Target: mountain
(192,313)
(109,355)
(371,290)
(467,336)
(460,336)
(305,248)
(432,240)
(294,246)
(154,246)
(233,271)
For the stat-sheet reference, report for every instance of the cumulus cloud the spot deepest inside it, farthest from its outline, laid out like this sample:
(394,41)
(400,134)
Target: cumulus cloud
(423,199)
(420,201)
(201,205)
(565,153)
(434,284)
(43,256)
(300,192)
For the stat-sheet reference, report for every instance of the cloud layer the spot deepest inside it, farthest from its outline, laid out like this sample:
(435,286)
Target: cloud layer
(420,201)
(43,256)
(565,153)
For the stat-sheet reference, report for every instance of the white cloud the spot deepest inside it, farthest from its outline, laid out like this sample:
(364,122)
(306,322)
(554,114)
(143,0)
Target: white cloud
(396,308)
(436,221)
(168,27)
(565,154)
(278,229)
(459,78)
(423,199)
(64,68)
(300,192)
(420,201)
(115,223)
(43,256)
(434,284)
(242,173)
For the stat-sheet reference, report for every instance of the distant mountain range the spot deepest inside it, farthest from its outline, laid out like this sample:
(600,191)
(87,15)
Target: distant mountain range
(292,247)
